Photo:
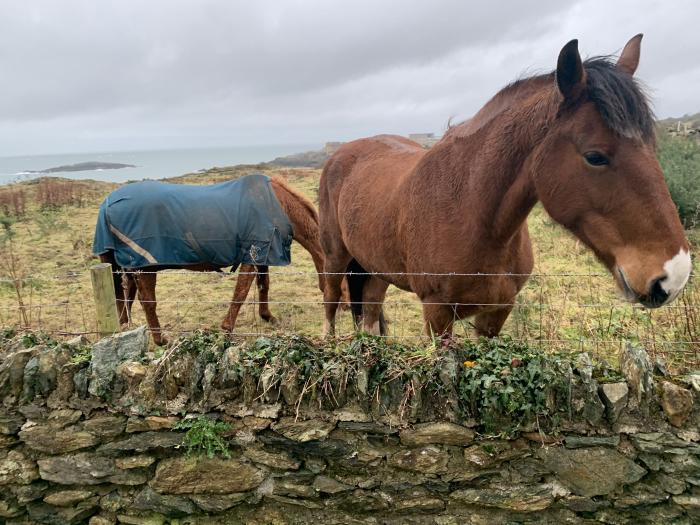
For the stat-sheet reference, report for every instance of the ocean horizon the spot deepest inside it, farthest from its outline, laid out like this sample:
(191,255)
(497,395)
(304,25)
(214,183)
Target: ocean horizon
(149,164)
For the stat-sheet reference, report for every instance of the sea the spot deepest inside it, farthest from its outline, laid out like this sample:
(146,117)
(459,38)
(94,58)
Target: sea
(150,164)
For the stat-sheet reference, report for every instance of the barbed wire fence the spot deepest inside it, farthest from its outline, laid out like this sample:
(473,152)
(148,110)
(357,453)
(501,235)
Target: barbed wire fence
(557,312)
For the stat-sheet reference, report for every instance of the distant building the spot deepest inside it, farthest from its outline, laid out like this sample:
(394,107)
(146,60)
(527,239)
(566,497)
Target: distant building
(684,129)
(332,147)
(427,140)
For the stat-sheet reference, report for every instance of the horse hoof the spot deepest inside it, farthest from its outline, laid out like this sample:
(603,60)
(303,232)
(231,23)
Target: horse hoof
(270,319)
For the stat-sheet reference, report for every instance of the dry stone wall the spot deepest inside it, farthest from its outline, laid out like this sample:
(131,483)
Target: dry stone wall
(97,438)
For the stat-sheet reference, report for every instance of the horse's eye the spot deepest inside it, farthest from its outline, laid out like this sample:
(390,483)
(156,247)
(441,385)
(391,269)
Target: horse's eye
(596,158)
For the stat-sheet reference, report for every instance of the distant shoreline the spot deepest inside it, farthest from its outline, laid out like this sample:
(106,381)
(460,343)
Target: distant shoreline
(147,164)
(84,166)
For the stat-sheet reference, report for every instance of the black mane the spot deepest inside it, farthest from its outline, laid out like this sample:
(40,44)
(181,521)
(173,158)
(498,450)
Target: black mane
(620,99)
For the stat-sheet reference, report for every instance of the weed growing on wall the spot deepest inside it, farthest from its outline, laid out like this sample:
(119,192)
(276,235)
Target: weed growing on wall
(504,384)
(204,436)
(387,361)
(81,354)
(499,383)
(205,344)
(322,370)
(32,339)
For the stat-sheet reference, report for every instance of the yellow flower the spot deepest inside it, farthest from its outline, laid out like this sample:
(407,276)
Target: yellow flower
(469,364)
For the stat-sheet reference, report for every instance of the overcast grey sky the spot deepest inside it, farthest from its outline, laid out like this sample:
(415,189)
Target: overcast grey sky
(89,75)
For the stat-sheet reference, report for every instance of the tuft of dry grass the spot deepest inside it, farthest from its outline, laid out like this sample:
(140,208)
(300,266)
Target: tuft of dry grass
(13,202)
(53,193)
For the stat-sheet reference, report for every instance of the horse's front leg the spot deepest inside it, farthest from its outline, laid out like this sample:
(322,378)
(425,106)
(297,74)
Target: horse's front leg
(146,285)
(263,282)
(246,275)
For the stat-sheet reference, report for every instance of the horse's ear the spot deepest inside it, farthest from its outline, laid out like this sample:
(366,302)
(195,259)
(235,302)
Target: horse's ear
(629,58)
(571,78)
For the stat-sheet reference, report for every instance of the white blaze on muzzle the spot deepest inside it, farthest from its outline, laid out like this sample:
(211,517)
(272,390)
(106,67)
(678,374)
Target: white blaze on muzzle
(677,272)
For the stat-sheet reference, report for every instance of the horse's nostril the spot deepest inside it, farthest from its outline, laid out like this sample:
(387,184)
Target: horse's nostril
(657,295)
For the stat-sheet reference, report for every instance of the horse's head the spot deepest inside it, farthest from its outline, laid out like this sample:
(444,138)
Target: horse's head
(596,173)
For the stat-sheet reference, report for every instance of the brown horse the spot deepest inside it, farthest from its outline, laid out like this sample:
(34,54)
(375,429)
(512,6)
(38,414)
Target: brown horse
(580,140)
(304,219)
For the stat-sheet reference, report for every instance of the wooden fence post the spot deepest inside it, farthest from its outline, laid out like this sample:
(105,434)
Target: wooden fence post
(105,300)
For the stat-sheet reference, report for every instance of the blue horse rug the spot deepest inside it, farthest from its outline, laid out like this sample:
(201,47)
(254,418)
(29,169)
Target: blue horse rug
(158,224)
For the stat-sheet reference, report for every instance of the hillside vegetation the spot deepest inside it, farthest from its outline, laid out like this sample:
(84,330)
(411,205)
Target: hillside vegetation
(680,160)
(693,119)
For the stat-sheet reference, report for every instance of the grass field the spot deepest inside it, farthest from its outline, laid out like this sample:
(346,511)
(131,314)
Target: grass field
(569,304)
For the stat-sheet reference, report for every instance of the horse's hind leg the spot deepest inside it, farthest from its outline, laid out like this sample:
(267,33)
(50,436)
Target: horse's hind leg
(246,276)
(146,284)
(263,281)
(373,295)
(128,282)
(489,324)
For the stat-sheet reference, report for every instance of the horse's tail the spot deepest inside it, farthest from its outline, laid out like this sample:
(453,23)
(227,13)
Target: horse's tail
(357,277)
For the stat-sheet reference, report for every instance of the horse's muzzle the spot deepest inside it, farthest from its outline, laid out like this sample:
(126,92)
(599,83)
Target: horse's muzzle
(657,296)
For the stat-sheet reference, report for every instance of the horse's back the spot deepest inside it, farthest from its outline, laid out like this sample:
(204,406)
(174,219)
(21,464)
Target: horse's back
(373,164)
(371,150)
(154,223)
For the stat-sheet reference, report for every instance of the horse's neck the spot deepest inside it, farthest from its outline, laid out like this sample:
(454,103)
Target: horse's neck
(304,224)
(491,159)
(306,233)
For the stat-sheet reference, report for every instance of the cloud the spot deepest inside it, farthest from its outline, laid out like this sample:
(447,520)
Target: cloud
(91,75)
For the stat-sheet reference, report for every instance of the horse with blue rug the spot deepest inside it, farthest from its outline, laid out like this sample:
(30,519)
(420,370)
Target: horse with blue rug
(148,226)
